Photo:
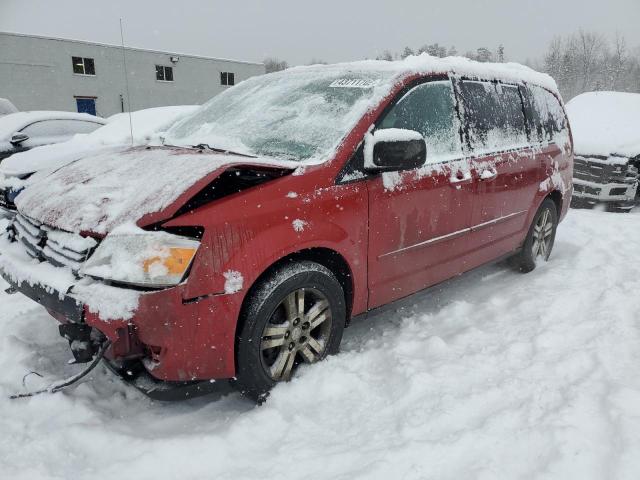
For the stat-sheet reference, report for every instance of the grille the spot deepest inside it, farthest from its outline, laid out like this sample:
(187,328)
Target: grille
(598,172)
(586,189)
(61,249)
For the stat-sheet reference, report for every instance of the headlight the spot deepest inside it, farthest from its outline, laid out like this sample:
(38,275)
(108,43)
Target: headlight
(146,259)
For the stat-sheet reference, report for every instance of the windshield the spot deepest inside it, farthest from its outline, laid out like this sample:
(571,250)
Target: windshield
(300,114)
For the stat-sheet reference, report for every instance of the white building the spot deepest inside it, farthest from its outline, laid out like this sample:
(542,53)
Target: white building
(40,73)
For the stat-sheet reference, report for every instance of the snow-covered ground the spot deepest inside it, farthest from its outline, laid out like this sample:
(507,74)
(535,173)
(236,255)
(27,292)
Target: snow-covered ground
(493,375)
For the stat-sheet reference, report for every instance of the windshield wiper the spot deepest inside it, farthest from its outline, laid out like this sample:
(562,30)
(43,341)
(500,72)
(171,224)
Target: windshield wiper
(205,146)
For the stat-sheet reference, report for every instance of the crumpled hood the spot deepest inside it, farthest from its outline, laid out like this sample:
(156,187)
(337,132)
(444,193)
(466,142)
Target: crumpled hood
(140,185)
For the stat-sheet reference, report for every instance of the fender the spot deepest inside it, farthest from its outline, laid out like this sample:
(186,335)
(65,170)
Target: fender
(240,241)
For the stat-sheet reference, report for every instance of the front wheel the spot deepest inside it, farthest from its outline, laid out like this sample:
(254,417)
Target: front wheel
(296,315)
(540,238)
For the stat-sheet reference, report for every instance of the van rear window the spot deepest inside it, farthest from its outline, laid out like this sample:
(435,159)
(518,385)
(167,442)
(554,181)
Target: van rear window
(494,116)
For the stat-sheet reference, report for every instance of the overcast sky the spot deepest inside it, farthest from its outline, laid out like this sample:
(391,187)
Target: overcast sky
(331,30)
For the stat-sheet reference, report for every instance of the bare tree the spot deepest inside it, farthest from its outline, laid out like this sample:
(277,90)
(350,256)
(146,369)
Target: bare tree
(386,55)
(273,64)
(407,52)
(434,49)
(587,61)
(619,60)
(484,55)
(590,49)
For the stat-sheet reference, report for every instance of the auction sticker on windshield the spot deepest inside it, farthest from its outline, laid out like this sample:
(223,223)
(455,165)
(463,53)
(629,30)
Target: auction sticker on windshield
(353,83)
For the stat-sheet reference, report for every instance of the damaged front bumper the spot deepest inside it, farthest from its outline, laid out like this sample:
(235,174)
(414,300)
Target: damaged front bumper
(170,338)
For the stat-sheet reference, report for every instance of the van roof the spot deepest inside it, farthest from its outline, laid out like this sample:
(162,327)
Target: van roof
(426,64)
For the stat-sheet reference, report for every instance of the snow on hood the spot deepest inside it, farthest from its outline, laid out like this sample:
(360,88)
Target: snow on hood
(100,192)
(605,123)
(147,124)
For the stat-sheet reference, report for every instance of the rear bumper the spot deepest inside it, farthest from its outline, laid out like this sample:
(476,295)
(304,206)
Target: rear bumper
(176,340)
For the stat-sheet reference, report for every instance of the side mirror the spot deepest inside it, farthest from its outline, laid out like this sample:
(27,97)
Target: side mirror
(18,138)
(394,149)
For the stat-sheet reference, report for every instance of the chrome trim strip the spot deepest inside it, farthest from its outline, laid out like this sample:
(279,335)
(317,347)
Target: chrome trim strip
(428,242)
(496,220)
(454,234)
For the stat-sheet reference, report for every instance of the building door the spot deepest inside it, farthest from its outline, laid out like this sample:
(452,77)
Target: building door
(86,105)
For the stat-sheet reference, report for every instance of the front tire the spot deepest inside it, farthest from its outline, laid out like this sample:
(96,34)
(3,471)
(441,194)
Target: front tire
(295,315)
(540,238)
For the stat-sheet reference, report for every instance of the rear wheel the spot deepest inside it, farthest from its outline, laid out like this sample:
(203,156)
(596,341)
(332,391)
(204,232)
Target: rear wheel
(296,315)
(540,239)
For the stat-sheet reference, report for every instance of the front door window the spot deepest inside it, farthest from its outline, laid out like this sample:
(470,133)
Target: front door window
(430,110)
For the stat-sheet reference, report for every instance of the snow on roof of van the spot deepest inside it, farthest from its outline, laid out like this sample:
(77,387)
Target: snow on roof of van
(462,66)
(10,124)
(605,123)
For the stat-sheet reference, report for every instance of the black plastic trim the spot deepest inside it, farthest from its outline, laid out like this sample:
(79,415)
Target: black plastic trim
(49,299)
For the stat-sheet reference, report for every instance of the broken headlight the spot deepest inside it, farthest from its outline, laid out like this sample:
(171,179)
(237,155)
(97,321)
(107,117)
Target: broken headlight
(141,258)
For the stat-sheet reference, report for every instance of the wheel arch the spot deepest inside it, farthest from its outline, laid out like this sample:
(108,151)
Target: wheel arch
(326,257)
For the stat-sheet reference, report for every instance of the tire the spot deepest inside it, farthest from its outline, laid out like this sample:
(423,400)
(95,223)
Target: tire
(533,250)
(295,315)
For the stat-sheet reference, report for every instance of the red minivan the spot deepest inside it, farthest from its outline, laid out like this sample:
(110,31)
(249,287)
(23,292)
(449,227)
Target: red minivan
(242,246)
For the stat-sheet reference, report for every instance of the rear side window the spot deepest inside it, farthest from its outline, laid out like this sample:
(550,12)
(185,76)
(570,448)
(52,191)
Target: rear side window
(429,109)
(494,116)
(546,115)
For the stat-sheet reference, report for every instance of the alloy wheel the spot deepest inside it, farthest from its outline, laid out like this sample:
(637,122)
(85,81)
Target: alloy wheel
(542,235)
(298,331)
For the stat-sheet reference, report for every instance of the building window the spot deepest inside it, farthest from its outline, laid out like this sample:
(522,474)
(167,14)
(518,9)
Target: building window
(227,78)
(83,66)
(164,74)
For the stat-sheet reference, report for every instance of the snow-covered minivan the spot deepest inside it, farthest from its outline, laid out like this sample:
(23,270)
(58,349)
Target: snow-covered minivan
(241,247)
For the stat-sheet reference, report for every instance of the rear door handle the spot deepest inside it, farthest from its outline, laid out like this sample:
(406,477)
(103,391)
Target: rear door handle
(488,174)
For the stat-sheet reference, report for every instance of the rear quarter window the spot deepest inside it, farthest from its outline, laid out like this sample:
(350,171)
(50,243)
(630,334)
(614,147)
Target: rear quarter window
(493,115)
(548,122)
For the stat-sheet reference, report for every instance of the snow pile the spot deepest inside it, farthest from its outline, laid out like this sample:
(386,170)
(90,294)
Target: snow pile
(148,125)
(605,123)
(109,189)
(495,375)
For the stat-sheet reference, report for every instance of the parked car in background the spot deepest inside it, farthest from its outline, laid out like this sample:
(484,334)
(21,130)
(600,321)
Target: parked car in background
(25,130)
(287,205)
(147,126)
(6,107)
(607,149)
